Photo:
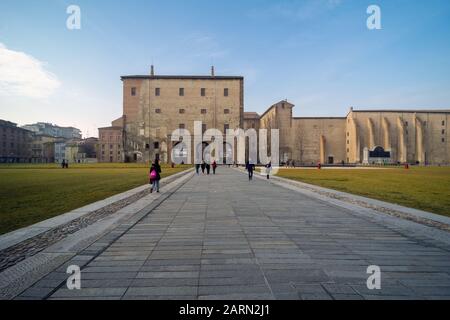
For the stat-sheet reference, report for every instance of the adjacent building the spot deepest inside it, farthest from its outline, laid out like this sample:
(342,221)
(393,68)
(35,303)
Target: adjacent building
(48,129)
(15,143)
(43,149)
(361,137)
(110,146)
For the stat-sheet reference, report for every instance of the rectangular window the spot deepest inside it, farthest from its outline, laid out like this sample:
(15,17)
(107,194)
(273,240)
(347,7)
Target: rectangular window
(181,126)
(110,146)
(225,92)
(443,122)
(147,146)
(157,92)
(443,140)
(181,92)
(203,111)
(156,145)
(203,92)
(443,131)
(133,91)
(226,111)
(157,110)
(406,123)
(226,126)
(203,128)
(181,111)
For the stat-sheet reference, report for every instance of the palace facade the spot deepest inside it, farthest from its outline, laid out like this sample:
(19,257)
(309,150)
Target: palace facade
(155,105)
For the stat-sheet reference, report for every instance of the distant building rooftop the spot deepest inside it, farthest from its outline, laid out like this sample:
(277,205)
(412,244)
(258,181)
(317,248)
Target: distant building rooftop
(8,123)
(404,110)
(181,77)
(111,128)
(251,115)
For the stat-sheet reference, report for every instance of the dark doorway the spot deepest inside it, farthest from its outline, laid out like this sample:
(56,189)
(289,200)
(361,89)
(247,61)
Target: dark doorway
(330,160)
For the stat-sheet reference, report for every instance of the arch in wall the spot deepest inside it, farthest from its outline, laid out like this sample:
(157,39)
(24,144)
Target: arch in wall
(200,152)
(227,153)
(179,152)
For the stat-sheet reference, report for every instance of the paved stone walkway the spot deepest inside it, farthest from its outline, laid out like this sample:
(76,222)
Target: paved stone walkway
(225,237)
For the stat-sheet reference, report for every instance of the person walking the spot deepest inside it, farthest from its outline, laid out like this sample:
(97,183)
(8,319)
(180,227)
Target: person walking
(250,168)
(214,166)
(155,176)
(197,168)
(208,168)
(203,166)
(268,169)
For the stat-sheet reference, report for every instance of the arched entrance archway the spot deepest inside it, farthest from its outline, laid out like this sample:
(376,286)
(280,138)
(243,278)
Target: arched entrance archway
(200,154)
(227,153)
(179,153)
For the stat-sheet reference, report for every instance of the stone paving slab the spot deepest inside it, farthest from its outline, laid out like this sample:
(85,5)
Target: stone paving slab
(224,237)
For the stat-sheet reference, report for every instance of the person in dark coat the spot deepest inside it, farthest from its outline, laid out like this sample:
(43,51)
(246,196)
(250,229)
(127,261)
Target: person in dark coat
(214,166)
(197,168)
(208,168)
(250,168)
(156,176)
(203,166)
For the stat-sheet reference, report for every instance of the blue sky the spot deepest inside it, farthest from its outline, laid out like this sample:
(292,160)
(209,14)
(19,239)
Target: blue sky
(318,54)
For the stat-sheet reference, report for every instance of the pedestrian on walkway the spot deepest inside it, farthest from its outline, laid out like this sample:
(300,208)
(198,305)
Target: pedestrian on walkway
(214,166)
(268,169)
(250,168)
(197,168)
(203,166)
(208,168)
(155,176)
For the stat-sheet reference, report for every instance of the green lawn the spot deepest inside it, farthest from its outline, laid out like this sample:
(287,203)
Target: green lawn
(425,188)
(32,193)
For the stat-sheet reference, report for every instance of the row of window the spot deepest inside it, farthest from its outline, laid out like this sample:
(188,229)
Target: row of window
(225,127)
(110,146)
(180,92)
(202,111)
(103,152)
(118,138)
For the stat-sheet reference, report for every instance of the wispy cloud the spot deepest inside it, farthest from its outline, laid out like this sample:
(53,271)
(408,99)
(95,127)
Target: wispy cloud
(23,75)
